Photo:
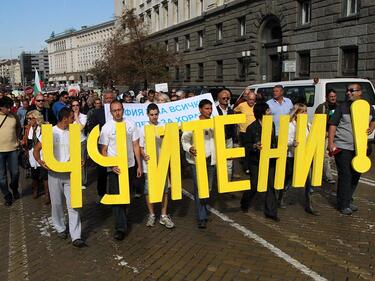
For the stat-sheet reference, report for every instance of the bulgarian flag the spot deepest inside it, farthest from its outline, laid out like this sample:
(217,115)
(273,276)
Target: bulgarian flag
(38,85)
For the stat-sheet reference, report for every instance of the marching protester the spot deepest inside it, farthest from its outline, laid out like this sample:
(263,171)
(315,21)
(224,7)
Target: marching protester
(108,144)
(254,146)
(298,108)
(47,113)
(246,108)
(9,142)
(153,116)
(328,108)
(223,108)
(22,110)
(279,105)
(205,109)
(81,119)
(63,101)
(98,117)
(341,145)
(59,183)
(39,174)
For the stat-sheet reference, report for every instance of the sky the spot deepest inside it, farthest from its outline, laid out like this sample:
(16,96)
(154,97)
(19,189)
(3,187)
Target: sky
(26,24)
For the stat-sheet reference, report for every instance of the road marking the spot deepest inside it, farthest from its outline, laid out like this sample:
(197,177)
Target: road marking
(361,180)
(17,245)
(251,235)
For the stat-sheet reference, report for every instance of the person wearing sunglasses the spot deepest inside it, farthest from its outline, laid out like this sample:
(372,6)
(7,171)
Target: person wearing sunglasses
(81,119)
(341,146)
(47,113)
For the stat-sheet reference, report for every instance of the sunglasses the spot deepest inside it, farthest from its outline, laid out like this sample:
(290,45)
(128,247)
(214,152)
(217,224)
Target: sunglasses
(75,104)
(30,118)
(351,90)
(39,100)
(225,98)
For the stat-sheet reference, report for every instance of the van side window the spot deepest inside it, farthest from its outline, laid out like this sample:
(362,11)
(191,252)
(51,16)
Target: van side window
(340,88)
(301,94)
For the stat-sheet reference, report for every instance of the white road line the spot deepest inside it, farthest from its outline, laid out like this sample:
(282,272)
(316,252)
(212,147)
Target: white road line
(361,180)
(17,245)
(251,235)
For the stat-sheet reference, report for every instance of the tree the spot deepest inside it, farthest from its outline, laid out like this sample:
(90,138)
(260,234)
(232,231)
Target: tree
(131,57)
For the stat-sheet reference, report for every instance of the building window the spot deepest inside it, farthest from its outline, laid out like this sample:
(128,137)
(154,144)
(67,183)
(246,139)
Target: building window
(349,62)
(350,7)
(219,70)
(304,64)
(200,39)
(187,72)
(200,71)
(176,45)
(305,11)
(177,73)
(187,42)
(242,26)
(219,32)
(241,69)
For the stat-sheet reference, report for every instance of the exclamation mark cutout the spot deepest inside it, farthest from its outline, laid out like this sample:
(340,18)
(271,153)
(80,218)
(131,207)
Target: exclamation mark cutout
(360,112)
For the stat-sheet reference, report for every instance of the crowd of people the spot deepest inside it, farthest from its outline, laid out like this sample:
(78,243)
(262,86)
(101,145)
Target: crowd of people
(21,144)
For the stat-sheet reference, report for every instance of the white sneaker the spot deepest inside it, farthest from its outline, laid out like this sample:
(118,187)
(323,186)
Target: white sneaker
(151,220)
(166,221)
(83,187)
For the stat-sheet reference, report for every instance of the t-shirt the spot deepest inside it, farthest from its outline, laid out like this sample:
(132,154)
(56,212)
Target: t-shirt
(8,133)
(108,138)
(343,121)
(142,143)
(278,109)
(61,145)
(249,112)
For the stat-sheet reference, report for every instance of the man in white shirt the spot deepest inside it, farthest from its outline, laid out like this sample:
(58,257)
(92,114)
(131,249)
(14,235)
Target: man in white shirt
(108,144)
(205,109)
(59,183)
(153,116)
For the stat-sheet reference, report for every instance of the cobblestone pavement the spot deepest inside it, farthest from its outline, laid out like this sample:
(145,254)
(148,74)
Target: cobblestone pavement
(235,245)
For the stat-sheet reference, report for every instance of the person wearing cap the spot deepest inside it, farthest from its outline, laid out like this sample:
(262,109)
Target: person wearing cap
(10,127)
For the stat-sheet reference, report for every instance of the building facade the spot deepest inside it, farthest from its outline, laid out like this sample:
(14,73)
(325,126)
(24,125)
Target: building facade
(31,61)
(236,43)
(73,53)
(10,72)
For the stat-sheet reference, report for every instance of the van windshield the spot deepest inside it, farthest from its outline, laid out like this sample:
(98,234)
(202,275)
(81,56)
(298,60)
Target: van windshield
(340,89)
(297,94)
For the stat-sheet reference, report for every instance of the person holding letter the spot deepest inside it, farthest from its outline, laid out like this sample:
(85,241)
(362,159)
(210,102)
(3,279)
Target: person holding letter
(108,144)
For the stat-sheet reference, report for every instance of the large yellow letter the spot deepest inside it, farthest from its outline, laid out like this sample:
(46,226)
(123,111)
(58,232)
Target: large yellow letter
(268,153)
(169,156)
(121,160)
(73,165)
(198,127)
(309,150)
(223,153)
(360,109)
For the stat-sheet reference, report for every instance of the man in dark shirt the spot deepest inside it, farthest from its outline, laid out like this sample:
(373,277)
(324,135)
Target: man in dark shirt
(341,144)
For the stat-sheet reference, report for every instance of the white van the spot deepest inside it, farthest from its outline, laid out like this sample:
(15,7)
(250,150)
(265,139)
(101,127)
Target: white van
(312,92)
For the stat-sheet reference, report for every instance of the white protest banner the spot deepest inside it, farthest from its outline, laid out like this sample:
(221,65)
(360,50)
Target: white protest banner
(163,87)
(177,111)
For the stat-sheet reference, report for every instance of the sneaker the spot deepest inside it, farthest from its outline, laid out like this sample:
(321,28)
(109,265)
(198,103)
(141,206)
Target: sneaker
(332,181)
(151,220)
(353,207)
(62,235)
(202,224)
(8,203)
(166,221)
(138,195)
(16,195)
(83,187)
(346,211)
(79,243)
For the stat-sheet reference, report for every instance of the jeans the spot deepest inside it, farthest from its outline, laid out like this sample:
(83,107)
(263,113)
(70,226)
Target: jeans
(347,178)
(200,204)
(9,160)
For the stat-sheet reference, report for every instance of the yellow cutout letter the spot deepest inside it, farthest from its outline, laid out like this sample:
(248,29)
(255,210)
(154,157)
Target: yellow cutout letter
(223,153)
(360,110)
(267,153)
(169,156)
(121,160)
(73,165)
(309,151)
(197,127)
